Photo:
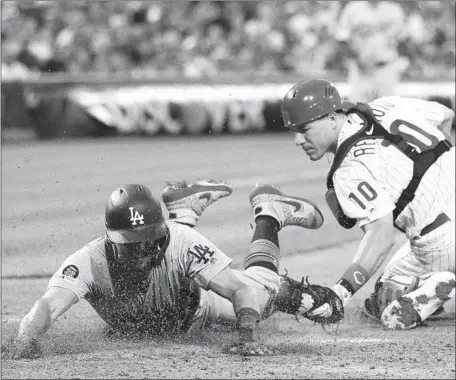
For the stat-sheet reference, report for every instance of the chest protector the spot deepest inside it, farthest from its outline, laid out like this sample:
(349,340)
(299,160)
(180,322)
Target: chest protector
(421,162)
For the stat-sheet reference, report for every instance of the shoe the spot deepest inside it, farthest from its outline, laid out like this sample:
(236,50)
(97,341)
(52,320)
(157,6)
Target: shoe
(439,311)
(286,209)
(370,309)
(401,315)
(193,198)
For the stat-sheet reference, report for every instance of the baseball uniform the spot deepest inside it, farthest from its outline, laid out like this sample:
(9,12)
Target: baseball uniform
(373,175)
(171,297)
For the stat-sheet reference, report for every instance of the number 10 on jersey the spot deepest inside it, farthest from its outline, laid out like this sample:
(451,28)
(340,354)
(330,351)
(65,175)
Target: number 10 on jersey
(368,193)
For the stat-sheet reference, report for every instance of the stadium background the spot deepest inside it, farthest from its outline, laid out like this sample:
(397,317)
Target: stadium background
(94,68)
(162,91)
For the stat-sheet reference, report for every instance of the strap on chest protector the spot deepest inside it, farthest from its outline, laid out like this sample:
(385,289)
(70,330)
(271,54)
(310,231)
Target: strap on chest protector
(422,162)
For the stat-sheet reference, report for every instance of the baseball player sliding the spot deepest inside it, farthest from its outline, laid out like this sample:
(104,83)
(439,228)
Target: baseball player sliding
(393,168)
(151,276)
(369,33)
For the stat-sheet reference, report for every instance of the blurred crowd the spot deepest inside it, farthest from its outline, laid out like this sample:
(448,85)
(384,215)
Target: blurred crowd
(204,39)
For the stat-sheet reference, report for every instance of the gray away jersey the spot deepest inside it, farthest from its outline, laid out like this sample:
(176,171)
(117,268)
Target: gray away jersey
(159,301)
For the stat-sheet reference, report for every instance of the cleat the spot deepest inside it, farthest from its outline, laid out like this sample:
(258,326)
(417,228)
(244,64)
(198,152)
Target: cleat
(400,315)
(187,201)
(286,209)
(370,309)
(439,311)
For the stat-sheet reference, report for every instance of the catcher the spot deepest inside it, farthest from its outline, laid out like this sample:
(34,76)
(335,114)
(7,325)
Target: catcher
(393,168)
(151,276)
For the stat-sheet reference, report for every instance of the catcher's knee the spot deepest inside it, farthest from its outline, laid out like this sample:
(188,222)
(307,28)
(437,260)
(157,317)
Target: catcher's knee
(443,283)
(388,291)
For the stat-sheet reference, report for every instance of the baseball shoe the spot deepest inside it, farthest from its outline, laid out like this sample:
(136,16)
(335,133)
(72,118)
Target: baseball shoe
(187,201)
(439,311)
(286,209)
(400,315)
(370,310)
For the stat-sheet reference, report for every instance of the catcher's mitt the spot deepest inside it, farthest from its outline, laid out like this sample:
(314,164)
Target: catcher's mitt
(289,298)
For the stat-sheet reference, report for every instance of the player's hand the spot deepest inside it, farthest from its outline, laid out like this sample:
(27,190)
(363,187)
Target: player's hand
(331,311)
(324,311)
(250,349)
(21,348)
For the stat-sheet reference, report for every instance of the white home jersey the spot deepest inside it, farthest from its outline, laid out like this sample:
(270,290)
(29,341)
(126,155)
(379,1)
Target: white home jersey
(164,299)
(374,173)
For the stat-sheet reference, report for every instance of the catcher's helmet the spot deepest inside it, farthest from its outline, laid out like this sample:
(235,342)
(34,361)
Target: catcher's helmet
(310,100)
(134,215)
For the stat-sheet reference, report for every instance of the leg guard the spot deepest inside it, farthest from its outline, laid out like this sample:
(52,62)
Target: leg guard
(415,307)
(435,291)
(388,291)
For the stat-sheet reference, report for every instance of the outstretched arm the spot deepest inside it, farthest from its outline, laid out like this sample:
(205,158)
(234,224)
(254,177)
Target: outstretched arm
(39,319)
(227,285)
(378,239)
(210,268)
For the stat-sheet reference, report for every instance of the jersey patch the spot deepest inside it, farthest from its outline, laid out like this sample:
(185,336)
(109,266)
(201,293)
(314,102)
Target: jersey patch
(71,271)
(202,253)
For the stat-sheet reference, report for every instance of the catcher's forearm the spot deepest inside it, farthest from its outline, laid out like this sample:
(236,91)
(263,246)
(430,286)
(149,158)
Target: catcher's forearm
(373,250)
(371,254)
(37,321)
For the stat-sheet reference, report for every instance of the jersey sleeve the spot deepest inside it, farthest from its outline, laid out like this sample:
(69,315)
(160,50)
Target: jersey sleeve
(74,274)
(203,259)
(417,110)
(360,195)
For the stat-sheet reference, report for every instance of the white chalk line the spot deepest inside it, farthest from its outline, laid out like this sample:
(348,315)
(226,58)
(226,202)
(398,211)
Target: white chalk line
(356,340)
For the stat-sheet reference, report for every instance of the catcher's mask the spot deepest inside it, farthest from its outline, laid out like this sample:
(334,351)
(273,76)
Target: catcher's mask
(135,226)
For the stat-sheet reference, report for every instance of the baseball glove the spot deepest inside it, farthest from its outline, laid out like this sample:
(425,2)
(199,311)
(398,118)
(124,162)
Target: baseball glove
(289,298)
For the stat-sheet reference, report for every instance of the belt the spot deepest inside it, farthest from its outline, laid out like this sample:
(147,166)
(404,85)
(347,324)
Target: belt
(440,220)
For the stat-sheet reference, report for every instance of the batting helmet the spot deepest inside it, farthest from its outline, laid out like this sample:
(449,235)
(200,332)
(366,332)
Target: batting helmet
(134,215)
(310,100)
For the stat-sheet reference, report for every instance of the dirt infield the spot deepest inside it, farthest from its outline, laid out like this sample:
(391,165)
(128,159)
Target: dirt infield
(79,347)
(53,197)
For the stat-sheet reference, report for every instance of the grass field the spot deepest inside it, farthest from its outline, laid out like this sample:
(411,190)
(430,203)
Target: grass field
(53,196)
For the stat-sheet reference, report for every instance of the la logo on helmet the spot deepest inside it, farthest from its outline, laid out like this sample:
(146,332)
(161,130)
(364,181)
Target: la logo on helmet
(136,217)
